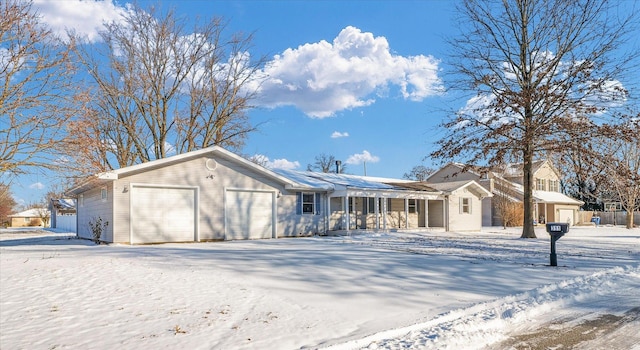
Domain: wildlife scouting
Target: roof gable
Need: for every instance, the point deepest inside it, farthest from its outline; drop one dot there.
(177, 159)
(453, 186)
(450, 172)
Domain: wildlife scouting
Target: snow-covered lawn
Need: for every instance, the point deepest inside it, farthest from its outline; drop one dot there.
(370, 290)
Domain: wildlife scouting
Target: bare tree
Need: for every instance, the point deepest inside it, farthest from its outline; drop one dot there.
(623, 170)
(327, 164)
(583, 174)
(35, 79)
(419, 173)
(7, 204)
(44, 215)
(161, 87)
(539, 74)
(506, 204)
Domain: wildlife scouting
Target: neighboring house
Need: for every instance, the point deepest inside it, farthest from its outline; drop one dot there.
(214, 194)
(63, 214)
(550, 205)
(31, 218)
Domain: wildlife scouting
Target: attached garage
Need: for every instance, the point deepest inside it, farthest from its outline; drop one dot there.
(249, 214)
(163, 214)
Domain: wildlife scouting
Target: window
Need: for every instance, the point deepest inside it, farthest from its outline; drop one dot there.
(308, 202)
(103, 194)
(388, 205)
(371, 205)
(540, 185)
(465, 205)
(553, 186)
(413, 205)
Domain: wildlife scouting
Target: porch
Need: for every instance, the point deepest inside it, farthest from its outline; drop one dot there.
(385, 213)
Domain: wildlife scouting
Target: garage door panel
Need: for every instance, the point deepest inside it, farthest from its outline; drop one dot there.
(249, 215)
(566, 215)
(163, 214)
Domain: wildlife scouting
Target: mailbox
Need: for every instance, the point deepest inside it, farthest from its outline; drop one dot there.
(556, 230)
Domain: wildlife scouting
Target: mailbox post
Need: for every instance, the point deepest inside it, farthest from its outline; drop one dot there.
(556, 230)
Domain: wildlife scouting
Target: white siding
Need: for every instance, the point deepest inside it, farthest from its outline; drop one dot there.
(459, 221)
(92, 208)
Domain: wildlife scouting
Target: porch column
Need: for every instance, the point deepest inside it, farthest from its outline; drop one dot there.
(346, 212)
(426, 213)
(546, 219)
(406, 213)
(445, 213)
(384, 213)
(327, 215)
(377, 210)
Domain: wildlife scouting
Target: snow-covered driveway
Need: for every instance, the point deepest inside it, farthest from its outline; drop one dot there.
(393, 290)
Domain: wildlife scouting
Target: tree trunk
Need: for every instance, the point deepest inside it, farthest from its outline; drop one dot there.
(527, 176)
(630, 219)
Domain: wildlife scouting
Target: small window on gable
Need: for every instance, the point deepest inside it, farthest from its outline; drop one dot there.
(103, 194)
(465, 205)
(540, 185)
(553, 186)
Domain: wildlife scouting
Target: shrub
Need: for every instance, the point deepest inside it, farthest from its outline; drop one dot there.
(97, 227)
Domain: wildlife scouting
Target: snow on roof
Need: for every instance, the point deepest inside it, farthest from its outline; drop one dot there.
(547, 196)
(30, 213)
(328, 181)
(356, 180)
(304, 179)
(555, 197)
(64, 203)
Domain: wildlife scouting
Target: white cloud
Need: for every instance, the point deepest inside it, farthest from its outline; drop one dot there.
(323, 78)
(283, 164)
(338, 134)
(276, 163)
(85, 18)
(360, 158)
(37, 186)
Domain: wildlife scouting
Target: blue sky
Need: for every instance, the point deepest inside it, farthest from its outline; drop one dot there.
(363, 81)
(383, 108)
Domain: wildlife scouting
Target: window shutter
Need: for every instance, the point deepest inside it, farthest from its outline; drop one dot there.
(299, 203)
(317, 206)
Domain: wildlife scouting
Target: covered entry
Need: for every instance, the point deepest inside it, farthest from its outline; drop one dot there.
(249, 214)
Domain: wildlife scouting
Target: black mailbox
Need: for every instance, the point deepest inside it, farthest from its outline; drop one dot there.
(557, 227)
(556, 230)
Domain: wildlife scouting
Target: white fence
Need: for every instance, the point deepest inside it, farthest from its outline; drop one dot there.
(66, 222)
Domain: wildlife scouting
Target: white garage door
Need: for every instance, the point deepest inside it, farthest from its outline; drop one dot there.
(160, 214)
(249, 214)
(566, 215)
